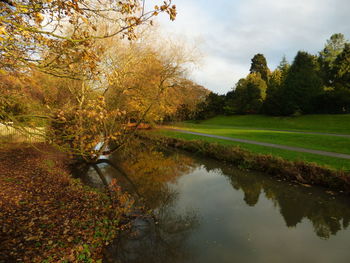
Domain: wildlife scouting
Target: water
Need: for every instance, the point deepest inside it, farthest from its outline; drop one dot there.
(208, 212)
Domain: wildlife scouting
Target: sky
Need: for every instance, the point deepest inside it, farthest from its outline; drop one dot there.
(228, 33)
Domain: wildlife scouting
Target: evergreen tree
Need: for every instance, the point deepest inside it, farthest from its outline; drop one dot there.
(259, 65)
(284, 65)
(302, 86)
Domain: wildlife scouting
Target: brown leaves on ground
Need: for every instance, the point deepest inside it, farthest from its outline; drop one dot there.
(45, 215)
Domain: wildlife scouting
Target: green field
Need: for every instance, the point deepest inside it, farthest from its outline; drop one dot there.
(309, 123)
(309, 141)
(335, 163)
(279, 130)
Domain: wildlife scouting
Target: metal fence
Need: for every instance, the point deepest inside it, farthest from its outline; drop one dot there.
(10, 134)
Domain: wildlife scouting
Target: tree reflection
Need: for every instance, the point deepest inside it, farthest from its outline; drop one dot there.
(158, 236)
(328, 214)
(151, 171)
(150, 241)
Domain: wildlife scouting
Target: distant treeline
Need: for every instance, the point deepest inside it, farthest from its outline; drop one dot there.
(311, 84)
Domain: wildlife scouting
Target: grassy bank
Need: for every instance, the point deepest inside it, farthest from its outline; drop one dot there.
(302, 172)
(330, 162)
(309, 141)
(287, 132)
(47, 216)
(314, 123)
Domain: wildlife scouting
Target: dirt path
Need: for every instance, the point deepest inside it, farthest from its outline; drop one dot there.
(279, 146)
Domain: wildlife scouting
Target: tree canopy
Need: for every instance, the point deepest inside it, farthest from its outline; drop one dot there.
(259, 65)
(58, 36)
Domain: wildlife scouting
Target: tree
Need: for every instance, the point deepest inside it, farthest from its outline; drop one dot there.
(336, 99)
(65, 39)
(302, 85)
(56, 36)
(211, 106)
(185, 96)
(328, 55)
(341, 68)
(284, 65)
(13, 98)
(139, 82)
(259, 65)
(250, 94)
(333, 48)
(273, 102)
(147, 77)
(229, 107)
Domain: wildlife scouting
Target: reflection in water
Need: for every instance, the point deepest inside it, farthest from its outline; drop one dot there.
(160, 238)
(327, 214)
(150, 171)
(147, 241)
(190, 195)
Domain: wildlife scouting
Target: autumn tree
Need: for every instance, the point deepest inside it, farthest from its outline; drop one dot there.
(64, 39)
(13, 99)
(56, 36)
(186, 95)
(149, 77)
(141, 81)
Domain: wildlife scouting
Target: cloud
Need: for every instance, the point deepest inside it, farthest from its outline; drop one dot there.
(231, 32)
(219, 72)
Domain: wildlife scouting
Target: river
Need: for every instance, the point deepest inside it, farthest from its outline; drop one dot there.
(208, 211)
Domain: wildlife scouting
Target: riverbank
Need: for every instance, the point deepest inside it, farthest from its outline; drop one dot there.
(331, 162)
(323, 139)
(46, 215)
(297, 171)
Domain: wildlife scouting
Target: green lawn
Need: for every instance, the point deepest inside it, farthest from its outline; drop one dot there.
(315, 123)
(309, 141)
(335, 163)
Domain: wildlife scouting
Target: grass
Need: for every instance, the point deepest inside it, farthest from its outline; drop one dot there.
(327, 123)
(309, 141)
(280, 130)
(334, 163)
